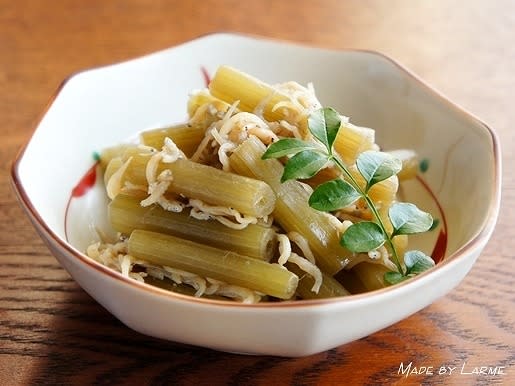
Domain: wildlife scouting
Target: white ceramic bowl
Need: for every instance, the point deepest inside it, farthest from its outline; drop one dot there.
(104, 106)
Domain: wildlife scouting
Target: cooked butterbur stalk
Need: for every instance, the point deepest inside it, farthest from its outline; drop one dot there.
(352, 140)
(115, 179)
(410, 162)
(114, 174)
(112, 152)
(292, 210)
(111, 168)
(294, 215)
(117, 156)
(213, 186)
(126, 214)
(330, 287)
(231, 85)
(370, 275)
(210, 262)
(246, 160)
(138, 150)
(327, 174)
(254, 95)
(383, 193)
(185, 136)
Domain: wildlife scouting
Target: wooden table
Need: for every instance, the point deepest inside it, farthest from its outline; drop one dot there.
(52, 332)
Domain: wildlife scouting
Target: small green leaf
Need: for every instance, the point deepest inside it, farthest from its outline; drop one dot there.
(363, 236)
(302, 165)
(407, 219)
(324, 125)
(392, 277)
(333, 195)
(417, 262)
(286, 146)
(424, 165)
(377, 166)
(435, 224)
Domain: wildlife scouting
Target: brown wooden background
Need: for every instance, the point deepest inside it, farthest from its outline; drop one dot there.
(51, 332)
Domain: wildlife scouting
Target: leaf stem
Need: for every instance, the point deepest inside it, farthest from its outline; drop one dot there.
(332, 157)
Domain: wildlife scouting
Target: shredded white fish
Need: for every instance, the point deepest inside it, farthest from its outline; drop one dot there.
(207, 141)
(265, 221)
(157, 190)
(158, 184)
(232, 130)
(219, 138)
(129, 186)
(293, 129)
(341, 226)
(170, 152)
(201, 149)
(286, 255)
(260, 107)
(201, 111)
(303, 98)
(309, 268)
(376, 256)
(125, 265)
(301, 102)
(289, 105)
(238, 128)
(223, 150)
(385, 258)
(193, 280)
(284, 249)
(152, 166)
(242, 294)
(302, 243)
(115, 256)
(178, 276)
(202, 211)
(225, 146)
(114, 185)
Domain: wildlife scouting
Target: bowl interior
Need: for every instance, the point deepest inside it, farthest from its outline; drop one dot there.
(106, 106)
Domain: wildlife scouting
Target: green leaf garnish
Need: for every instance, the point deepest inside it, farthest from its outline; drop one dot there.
(424, 165)
(363, 236)
(304, 164)
(392, 277)
(324, 125)
(435, 224)
(333, 195)
(417, 262)
(286, 146)
(376, 166)
(407, 219)
(308, 158)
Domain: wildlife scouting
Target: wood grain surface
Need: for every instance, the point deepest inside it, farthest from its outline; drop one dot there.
(52, 332)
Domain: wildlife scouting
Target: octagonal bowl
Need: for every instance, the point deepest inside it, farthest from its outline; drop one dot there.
(56, 181)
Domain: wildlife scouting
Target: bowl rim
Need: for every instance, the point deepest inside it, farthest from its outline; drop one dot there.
(480, 238)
